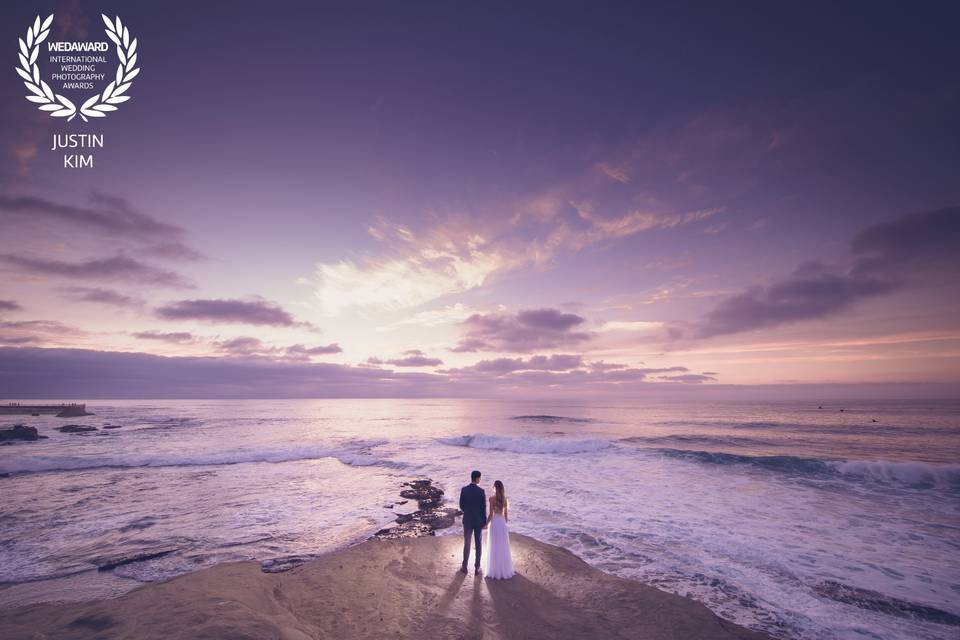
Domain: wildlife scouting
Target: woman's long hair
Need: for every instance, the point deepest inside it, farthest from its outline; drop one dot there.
(500, 496)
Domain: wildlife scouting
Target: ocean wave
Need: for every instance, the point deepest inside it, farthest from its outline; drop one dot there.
(528, 445)
(914, 473)
(551, 419)
(353, 454)
(726, 441)
(917, 474)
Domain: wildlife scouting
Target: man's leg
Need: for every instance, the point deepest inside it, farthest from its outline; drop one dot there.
(477, 537)
(467, 530)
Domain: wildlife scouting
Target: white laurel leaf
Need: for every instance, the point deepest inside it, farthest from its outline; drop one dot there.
(96, 106)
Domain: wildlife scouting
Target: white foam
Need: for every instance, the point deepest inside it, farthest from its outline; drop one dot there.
(528, 445)
(353, 453)
(916, 473)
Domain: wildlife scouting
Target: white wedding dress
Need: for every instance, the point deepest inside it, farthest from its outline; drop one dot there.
(497, 561)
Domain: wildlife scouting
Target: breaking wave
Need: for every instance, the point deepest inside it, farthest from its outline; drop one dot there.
(352, 453)
(918, 474)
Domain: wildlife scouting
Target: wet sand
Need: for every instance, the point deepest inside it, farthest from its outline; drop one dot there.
(407, 588)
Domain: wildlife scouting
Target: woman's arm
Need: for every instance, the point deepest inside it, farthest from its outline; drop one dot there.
(489, 512)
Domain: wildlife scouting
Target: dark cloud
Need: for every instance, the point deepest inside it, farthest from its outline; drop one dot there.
(409, 361)
(804, 295)
(925, 242)
(105, 214)
(600, 365)
(30, 372)
(298, 351)
(79, 373)
(912, 249)
(101, 296)
(525, 331)
(534, 363)
(690, 378)
(115, 268)
(254, 312)
(9, 305)
(244, 345)
(175, 336)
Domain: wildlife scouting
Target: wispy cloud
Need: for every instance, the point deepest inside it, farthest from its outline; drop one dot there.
(253, 312)
(116, 268)
(101, 296)
(173, 336)
(104, 214)
(9, 305)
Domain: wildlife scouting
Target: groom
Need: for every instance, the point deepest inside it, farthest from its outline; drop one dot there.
(473, 503)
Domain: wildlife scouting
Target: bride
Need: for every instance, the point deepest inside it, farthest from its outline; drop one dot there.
(499, 563)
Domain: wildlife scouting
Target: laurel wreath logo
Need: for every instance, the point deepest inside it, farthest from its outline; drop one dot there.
(98, 105)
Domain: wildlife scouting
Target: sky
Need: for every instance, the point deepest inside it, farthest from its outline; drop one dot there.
(311, 199)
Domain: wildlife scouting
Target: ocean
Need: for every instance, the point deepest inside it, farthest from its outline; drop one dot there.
(805, 521)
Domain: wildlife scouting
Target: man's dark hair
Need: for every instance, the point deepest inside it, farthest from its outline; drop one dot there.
(474, 476)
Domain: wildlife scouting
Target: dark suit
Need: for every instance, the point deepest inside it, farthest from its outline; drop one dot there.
(473, 503)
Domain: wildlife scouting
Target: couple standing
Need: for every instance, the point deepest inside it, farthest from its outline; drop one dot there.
(473, 504)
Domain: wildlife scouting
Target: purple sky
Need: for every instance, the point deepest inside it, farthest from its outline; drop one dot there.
(310, 199)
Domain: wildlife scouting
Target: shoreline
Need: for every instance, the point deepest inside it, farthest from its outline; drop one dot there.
(395, 588)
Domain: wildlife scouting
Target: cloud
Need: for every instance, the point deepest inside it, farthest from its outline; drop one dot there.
(524, 331)
(810, 292)
(116, 268)
(9, 305)
(298, 351)
(243, 345)
(36, 332)
(105, 214)
(254, 312)
(882, 259)
(534, 363)
(689, 378)
(101, 296)
(175, 336)
(416, 360)
(29, 372)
